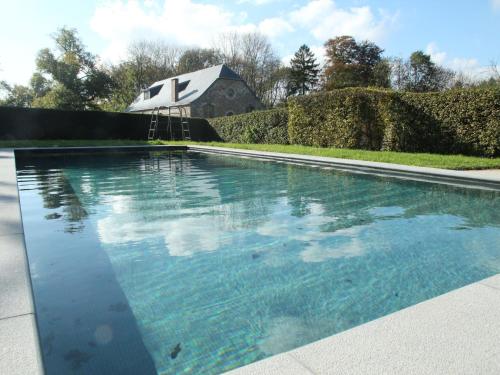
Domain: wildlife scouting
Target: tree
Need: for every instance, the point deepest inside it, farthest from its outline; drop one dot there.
(152, 61)
(74, 80)
(146, 62)
(253, 58)
(197, 58)
(420, 74)
(16, 96)
(349, 64)
(303, 71)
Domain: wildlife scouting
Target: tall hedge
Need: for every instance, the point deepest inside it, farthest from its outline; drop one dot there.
(38, 123)
(457, 121)
(256, 127)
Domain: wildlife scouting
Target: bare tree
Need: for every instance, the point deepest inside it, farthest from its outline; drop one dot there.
(153, 60)
(253, 58)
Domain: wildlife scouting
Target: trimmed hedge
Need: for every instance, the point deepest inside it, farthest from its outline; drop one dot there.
(256, 127)
(463, 121)
(37, 123)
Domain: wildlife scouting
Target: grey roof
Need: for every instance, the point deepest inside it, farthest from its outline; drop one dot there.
(197, 83)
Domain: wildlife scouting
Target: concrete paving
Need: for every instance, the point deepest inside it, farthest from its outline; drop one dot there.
(494, 173)
(19, 343)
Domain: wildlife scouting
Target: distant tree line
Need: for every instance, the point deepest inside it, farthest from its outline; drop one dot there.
(70, 77)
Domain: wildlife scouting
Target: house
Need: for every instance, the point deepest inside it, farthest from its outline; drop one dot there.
(210, 92)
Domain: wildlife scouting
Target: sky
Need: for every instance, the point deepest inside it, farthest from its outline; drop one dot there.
(460, 34)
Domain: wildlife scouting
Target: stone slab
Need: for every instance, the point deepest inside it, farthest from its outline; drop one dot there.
(494, 173)
(15, 294)
(19, 342)
(19, 352)
(10, 217)
(277, 365)
(493, 282)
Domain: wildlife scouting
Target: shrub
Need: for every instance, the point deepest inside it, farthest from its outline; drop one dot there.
(255, 127)
(457, 121)
(340, 118)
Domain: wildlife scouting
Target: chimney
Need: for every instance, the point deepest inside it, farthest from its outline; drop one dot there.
(174, 93)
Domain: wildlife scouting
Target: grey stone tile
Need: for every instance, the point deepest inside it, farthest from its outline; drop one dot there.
(10, 218)
(281, 364)
(456, 333)
(493, 282)
(19, 350)
(15, 291)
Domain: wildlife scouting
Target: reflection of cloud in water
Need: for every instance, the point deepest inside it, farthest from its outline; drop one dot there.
(319, 246)
(187, 236)
(304, 228)
(119, 203)
(186, 231)
(183, 236)
(318, 253)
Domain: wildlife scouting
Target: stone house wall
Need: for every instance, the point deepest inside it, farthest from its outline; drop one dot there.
(224, 98)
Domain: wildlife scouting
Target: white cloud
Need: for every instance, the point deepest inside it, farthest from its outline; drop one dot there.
(180, 22)
(325, 20)
(189, 22)
(469, 66)
(495, 4)
(256, 2)
(274, 27)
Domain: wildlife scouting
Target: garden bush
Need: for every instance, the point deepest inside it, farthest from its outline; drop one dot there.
(256, 127)
(457, 121)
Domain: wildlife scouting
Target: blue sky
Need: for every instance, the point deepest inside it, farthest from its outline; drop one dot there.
(460, 34)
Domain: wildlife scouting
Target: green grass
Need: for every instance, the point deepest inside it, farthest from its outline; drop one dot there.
(416, 159)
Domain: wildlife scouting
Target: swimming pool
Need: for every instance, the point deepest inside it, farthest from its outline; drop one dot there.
(182, 262)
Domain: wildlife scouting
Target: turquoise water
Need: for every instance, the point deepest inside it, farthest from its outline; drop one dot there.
(180, 263)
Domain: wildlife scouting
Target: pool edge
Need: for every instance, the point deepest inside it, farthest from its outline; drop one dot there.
(303, 360)
(20, 350)
(428, 174)
(453, 333)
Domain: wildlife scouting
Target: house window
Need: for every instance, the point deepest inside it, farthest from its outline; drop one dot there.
(229, 113)
(182, 86)
(230, 93)
(152, 92)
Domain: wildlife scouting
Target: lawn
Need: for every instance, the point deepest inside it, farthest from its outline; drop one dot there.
(416, 159)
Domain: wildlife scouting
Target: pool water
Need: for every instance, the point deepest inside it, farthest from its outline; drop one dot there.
(182, 262)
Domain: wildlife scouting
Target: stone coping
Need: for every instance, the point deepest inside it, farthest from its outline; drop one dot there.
(19, 341)
(454, 333)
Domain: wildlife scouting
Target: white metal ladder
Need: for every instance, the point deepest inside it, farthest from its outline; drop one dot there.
(153, 132)
(153, 125)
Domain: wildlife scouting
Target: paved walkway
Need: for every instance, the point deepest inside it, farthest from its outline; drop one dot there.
(491, 173)
(19, 349)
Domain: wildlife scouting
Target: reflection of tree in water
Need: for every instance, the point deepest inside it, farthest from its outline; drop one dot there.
(57, 192)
